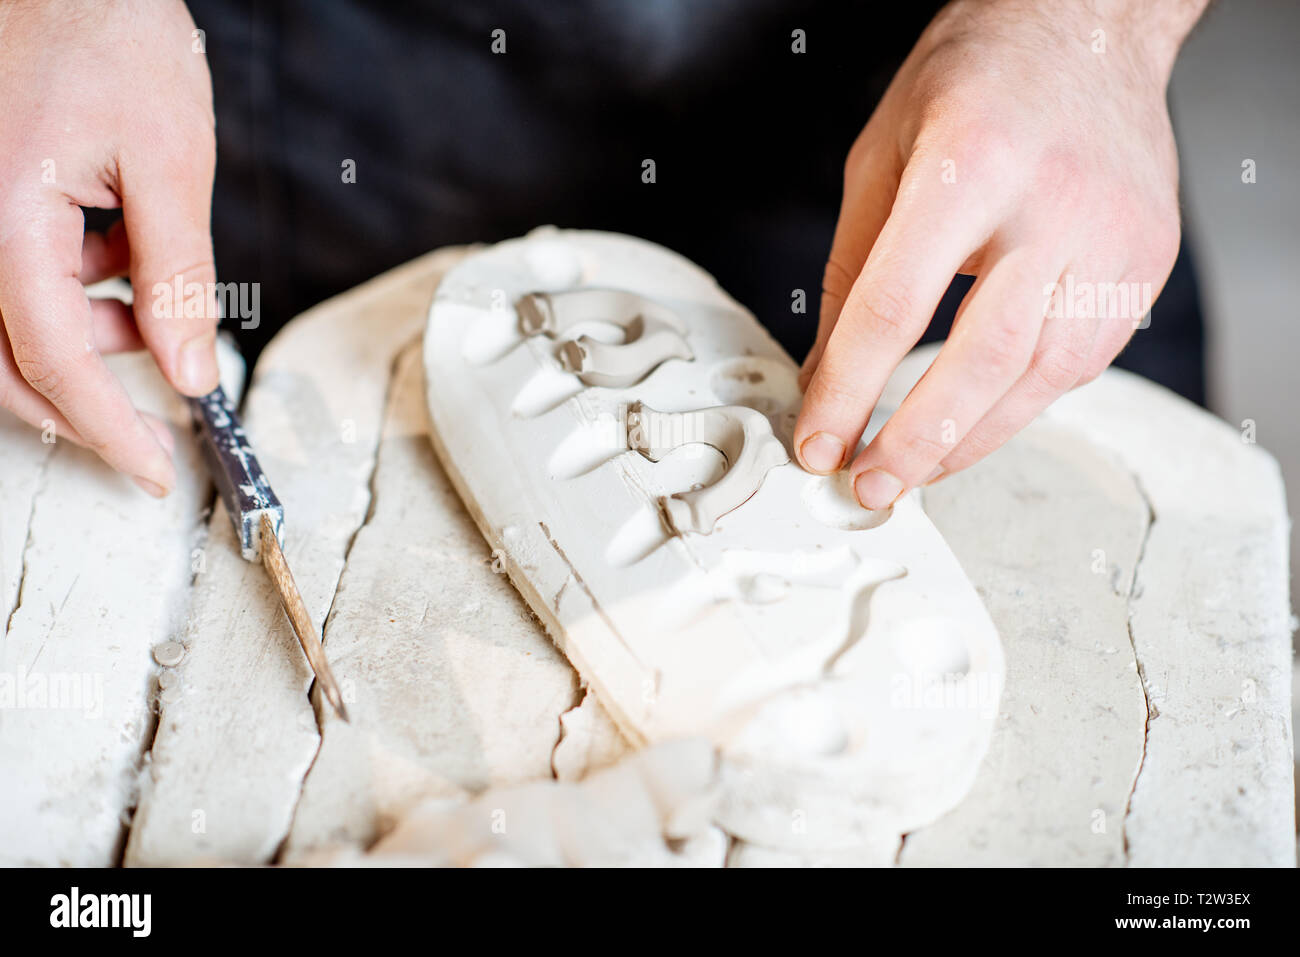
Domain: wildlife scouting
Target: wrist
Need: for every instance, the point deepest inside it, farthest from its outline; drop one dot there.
(1149, 32)
(1159, 27)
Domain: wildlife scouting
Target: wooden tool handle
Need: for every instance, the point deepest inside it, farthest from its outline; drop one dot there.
(299, 617)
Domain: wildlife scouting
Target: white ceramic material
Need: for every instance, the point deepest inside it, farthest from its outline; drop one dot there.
(699, 580)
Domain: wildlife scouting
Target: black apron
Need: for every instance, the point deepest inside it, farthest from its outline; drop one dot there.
(450, 142)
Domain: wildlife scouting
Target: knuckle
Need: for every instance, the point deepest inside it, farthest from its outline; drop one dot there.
(1075, 347)
(1004, 351)
(1095, 366)
(835, 390)
(185, 152)
(922, 446)
(42, 372)
(992, 152)
(886, 313)
(1153, 230)
(1060, 168)
(983, 154)
(101, 444)
(193, 127)
(197, 267)
(975, 446)
(1111, 339)
(1062, 175)
(1090, 374)
(164, 272)
(1055, 370)
(914, 446)
(196, 167)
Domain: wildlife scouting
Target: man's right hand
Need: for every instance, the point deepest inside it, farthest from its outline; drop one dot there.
(104, 105)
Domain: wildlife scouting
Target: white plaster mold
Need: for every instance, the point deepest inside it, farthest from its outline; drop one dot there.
(647, 507)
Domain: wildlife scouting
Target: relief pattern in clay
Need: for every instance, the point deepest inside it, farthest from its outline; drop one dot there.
(619, 428)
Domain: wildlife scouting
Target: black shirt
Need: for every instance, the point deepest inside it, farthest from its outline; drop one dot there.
(451, 142)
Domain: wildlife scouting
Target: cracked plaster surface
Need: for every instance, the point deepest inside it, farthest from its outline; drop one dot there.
(1187, 737)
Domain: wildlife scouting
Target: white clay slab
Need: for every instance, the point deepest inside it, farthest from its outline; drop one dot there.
(620, 429)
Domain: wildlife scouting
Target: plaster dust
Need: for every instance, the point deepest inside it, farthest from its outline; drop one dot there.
(786, 638)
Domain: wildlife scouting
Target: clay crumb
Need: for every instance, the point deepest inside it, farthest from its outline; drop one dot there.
(169, 654)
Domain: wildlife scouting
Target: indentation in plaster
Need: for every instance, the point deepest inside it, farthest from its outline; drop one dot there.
(606, 337)
(743, 436)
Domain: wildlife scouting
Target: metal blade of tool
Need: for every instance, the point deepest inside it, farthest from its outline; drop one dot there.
(258, 517)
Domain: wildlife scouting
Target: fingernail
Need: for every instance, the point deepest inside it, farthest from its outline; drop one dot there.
(938, 473)
(153, 488)
(198, 365)
(822, 452)
(877, 489)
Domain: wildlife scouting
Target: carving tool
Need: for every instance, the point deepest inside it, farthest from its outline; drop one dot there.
(258, 518)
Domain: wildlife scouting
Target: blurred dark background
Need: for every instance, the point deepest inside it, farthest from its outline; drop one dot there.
(454, 144)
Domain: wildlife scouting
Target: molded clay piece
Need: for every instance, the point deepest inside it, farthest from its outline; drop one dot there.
(650, 334)
(647, 507)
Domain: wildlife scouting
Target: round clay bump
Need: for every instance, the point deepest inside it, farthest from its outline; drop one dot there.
(932, 646)
(169, 654)
(831, 501)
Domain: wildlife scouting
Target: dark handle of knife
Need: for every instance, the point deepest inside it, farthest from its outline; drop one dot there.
(240, 482)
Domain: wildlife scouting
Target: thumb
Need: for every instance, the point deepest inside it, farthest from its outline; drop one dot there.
(166, 205)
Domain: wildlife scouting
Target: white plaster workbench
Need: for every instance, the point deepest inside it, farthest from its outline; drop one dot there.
(1130, 548)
